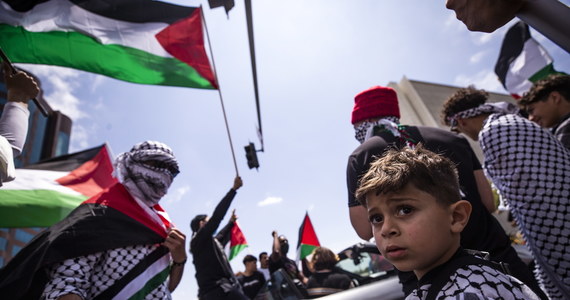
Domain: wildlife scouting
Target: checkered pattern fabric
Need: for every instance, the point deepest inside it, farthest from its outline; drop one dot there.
(477, 282)
(531, 169)
(487, 108)
(88, 276)
(364, 131)
(147, 171)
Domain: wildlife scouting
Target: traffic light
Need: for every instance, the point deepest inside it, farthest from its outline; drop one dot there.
(251, 155)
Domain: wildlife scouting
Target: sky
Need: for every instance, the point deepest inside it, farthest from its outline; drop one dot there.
(313, 57)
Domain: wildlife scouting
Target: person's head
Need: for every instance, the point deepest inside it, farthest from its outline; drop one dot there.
(464, 99)
(147, 171)
(283, 245)
(484, 15)
(250, 263)
(548, 101)
(323, 259)
(263, 260)
(198, 222)
(372, 104)
(414, 206)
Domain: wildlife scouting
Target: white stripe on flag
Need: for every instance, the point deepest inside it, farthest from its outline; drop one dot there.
(531, 60)
(139, 282)
(62, 15)
(38, 180)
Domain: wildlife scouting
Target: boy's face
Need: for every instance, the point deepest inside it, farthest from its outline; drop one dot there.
(544, 112)
(412, 230)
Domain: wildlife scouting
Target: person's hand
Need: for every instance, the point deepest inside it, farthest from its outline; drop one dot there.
(21, 87)
(176, 243)
(274, 233)
(234, 217)
(237, 183)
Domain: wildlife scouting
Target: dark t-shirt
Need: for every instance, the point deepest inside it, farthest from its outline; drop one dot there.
(252, 284)
(483, 232)
(286, 264)
(326, 283)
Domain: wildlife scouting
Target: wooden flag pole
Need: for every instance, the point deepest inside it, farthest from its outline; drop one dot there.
(219, 90)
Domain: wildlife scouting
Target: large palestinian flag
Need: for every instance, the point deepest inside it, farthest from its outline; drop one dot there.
(522, 61)
(44, 193)
(109, 220)
(141, 41)
(308, 240)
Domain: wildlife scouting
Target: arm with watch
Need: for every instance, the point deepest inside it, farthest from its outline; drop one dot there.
(176, 243)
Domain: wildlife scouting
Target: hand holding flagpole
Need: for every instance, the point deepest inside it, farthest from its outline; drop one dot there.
(13, 70)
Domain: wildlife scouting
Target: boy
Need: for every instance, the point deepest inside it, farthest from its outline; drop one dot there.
(416, 213)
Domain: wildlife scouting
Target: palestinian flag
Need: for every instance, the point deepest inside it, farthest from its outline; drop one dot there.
(522, 61)
(308, 240)
(44, 193)
(140, 41)
(109, 220)
(237, 241)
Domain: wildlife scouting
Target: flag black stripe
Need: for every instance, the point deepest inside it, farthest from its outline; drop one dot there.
(67, 162)
(135, 11)
(512, 47)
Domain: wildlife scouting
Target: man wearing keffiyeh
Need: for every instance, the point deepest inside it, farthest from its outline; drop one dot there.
(118, 244)
(530, 168)
(375, 118)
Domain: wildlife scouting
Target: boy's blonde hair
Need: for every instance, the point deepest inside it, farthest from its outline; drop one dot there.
(425, 170)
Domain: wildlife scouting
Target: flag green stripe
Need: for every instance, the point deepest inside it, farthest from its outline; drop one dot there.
(75, 50)
(235, 250)
(35, 208)
(306, 250)
(151, 285)
(544, 72)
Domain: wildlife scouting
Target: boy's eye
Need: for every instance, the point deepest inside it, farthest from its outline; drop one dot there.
(405, 210)
(375, 219)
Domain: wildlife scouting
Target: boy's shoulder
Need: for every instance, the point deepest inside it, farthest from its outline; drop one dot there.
(474, 279)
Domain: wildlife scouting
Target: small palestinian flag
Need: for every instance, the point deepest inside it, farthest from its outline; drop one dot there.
(308, 240)
(237, 241)
(522, 61)
(42, 194)
(140, 41)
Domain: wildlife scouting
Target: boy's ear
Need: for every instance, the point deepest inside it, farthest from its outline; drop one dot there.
(460, 212)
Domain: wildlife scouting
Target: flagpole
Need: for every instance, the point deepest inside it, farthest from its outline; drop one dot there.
(219, 89)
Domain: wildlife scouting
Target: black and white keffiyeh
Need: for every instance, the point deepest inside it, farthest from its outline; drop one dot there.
(365, 130)
(487, 108)
(531, 169)
(147, 171)
(478, 282)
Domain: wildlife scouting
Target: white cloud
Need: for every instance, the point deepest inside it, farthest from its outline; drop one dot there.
(485, 79)
(59, 86)
(270, 201)
(177, 194)
(477, 57)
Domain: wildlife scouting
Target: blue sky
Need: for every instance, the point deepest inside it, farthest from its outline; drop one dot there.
(313, 57)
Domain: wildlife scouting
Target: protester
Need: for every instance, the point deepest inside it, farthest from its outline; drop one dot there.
(530, 168)
(548, 104)
(413, 201)
(214, 275)
(264, 265)
(376, 121)
(112, 245)
(251, 279)
(325, 278)
(14, 120)
(279, 260)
